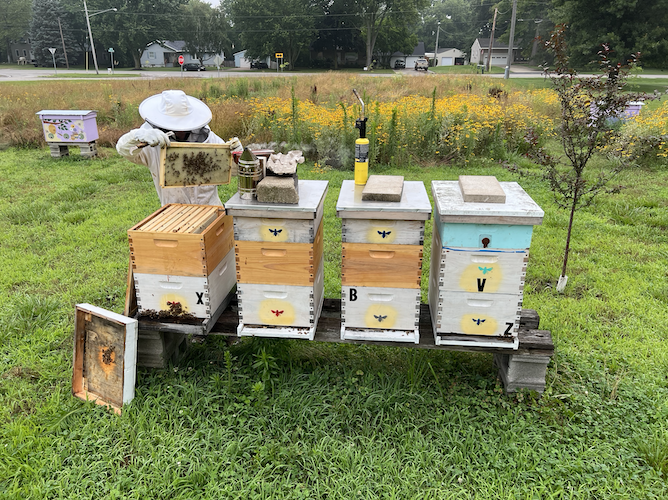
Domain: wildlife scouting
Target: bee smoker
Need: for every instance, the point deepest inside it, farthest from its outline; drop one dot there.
(250, 175)
(361, 148)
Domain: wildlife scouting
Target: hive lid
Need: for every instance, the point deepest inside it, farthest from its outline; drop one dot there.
(414, 204)
(519, 208)
(65, 112)
(105, 356)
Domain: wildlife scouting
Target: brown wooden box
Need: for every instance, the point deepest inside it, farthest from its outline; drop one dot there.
(394, 266)
(185, 164)
(168, 241)
(105, 356)
(264, 262)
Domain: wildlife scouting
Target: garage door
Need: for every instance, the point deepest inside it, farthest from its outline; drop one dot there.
(446, 61)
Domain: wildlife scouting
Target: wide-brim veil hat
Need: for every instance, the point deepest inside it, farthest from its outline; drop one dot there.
(174, 110)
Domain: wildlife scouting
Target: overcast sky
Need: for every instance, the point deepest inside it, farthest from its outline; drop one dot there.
(213, 3)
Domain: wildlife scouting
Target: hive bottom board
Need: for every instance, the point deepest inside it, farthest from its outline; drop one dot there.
(286, 311)
(380, 313)
(197, 296)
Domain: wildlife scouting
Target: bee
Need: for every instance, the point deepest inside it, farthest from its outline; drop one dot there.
(478, 321)
(275, 231)
(380, 318)
(277, 312)
(384, 233)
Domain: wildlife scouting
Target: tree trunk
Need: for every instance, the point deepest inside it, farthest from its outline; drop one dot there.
(137, 58)
(570, 225)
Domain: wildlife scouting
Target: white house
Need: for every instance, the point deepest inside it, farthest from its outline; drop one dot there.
(165, 54)
(449, 57)
(241, 61)
(480, 52)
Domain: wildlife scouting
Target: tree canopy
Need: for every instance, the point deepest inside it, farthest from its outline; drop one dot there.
(45, 32)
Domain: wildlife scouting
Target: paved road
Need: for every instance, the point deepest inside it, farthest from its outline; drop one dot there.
(36, 74)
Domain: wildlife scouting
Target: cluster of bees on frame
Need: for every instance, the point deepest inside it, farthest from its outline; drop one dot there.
(175, 312)
(190, 169)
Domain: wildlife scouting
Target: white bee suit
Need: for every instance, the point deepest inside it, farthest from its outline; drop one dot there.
(150, 157)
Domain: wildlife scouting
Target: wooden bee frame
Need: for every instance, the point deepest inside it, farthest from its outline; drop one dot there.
(188, 164)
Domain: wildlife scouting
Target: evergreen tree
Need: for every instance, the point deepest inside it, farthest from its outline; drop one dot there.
(45, 33)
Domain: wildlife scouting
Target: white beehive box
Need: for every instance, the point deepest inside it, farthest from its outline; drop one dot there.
(382, 263)
(279, 261)
(480, 250)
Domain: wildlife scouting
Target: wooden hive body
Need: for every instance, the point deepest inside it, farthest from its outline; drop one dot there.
(183, 240)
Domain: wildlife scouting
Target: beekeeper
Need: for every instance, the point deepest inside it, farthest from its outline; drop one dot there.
(172, 116)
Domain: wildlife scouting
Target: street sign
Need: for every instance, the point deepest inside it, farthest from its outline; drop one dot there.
(218, 60)
(111, 50)
(181, 60)
(279, 55)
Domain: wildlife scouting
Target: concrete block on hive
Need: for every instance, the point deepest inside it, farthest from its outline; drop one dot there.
(481, 189)
(274, 189)
(383, 188)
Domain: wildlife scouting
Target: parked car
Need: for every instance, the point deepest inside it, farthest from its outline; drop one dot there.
(399, 64)
(421, 63)
(194, 66)
(259, 65)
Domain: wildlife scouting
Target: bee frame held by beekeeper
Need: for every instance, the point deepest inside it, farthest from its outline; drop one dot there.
(172, 116)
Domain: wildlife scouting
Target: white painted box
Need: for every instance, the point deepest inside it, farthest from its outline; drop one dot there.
(288, 311)
(468, 270)
(493, 314)
(380, 307)
(199, 296)
(383, 231)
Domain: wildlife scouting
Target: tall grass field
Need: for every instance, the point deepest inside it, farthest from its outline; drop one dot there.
(268, 418)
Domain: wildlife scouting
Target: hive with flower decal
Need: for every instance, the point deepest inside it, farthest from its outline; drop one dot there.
(69, 127)
(479, 255)
(279, 263)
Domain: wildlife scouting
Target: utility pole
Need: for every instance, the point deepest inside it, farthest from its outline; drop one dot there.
(63, 40)
(491, 42)
(438, 30)
(506, 74)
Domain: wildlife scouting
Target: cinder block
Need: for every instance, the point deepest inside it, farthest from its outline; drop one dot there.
(522, 371)
(277, 190)
(383, 188)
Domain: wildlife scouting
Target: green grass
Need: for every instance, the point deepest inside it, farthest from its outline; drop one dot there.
(288, 419)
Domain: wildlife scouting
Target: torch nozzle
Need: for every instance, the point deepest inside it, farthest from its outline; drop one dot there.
(360, 99)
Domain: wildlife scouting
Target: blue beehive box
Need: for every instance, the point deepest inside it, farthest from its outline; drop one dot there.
(480, 250)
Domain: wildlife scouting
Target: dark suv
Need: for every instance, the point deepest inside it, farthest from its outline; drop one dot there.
(259, 65)
(194, 66)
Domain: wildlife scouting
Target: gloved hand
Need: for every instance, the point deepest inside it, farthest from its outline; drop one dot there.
(235, 144)
(151, 137)
(138, 138)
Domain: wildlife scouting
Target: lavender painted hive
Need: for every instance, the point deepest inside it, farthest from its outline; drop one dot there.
(69, 125)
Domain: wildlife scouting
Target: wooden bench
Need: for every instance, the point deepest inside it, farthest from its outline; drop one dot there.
(524, 368)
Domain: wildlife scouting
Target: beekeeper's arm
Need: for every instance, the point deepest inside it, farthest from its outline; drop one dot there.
(130, 145)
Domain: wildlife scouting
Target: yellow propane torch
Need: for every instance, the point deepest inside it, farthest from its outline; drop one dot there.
(361, 148)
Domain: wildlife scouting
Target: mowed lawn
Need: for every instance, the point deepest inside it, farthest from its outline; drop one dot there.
(293, 419)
